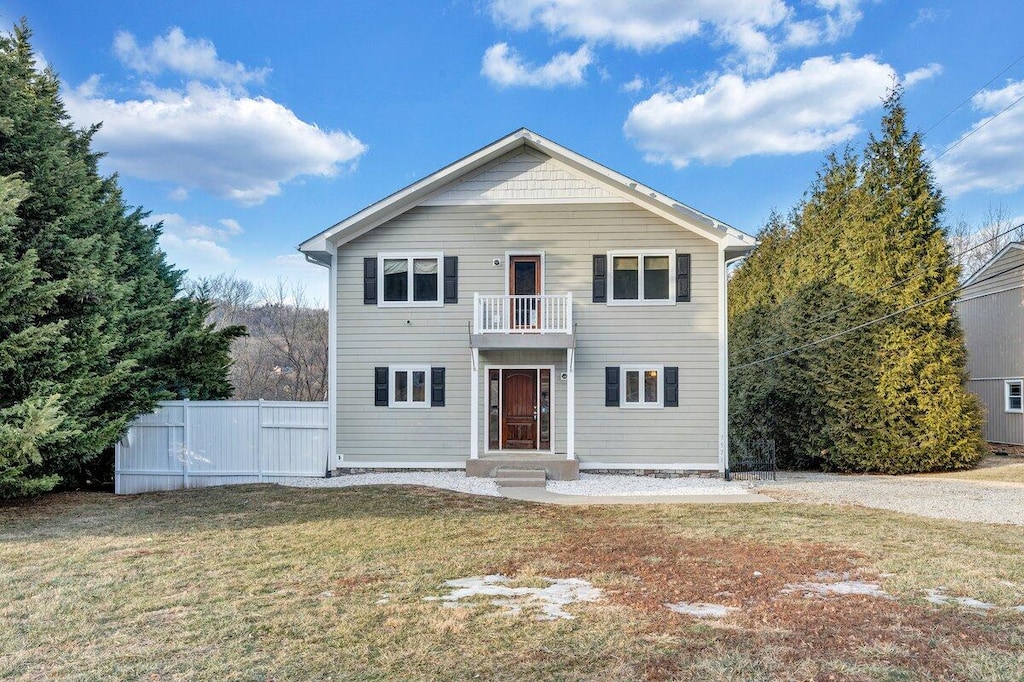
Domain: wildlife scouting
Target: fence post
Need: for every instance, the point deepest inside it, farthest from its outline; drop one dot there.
(259, 440)
(186, 444)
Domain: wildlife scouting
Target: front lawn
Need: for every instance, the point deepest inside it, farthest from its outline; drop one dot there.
(263, 582)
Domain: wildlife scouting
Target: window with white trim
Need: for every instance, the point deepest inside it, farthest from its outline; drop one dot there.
(642, 277)
(410, 279)
(642, 386)
(409, 386)
(1015, 395)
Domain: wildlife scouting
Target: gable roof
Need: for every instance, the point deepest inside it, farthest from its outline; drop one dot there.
(736, 242)
(992, 261)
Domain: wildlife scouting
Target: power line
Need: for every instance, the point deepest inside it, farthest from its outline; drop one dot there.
(919, 271)
(975, 94)
(869, 323)
(974, 130)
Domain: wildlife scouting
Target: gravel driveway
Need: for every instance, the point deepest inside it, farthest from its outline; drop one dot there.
(938, 498)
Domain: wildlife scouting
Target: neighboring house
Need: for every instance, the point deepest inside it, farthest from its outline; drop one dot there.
(528, 304)
(991, 310)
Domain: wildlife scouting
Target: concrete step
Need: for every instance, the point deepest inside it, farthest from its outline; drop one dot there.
(508, 477)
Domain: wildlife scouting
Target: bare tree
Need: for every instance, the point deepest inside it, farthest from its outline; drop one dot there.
(284, 357)
(974, 245)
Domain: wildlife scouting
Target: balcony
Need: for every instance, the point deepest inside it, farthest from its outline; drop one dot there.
(543, 321)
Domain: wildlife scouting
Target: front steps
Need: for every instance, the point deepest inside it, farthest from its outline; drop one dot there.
(508, 477)
(555, 468)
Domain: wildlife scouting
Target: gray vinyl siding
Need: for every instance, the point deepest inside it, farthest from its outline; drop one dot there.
(683, 335)
(992, 315)
(1000, 426)
(1007, 271)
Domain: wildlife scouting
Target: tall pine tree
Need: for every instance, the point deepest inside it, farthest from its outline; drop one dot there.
(101, 301)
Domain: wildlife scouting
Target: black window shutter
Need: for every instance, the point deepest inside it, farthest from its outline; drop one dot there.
(601, 280)
(437, 386)
(369, 280)
(611, 386)
(671, 387)
(451, 282)
(683, 277)
(380, 386)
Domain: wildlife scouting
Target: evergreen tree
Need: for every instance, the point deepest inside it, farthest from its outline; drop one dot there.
(100, 291)
(865, 243)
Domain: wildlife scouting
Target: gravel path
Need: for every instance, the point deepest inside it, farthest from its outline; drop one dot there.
(448, 480)
(589, 484)
(615, 485)
(937, 498)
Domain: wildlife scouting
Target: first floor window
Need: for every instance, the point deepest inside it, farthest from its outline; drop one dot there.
(410, 280)
(1015, 395)
(644, 277)
(410, 387)
(641, 387)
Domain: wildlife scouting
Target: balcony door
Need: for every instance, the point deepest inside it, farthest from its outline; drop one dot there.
(524, 280)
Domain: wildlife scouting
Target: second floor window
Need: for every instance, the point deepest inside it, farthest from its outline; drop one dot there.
(410, 279)
(642, 277)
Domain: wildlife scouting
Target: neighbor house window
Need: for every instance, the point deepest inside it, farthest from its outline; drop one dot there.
(1014, 395)
(410, 386)
(642, 387)
(643, 277)
(410, 280)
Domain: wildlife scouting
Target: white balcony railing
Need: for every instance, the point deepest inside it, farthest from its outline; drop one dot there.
(544, 314)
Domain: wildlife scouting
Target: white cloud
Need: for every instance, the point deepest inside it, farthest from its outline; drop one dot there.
(184, 228)
(754, 30)
(193, 58)
(990, 159)
(232, 146)
(635, 85)
(916, 76)
(805, 109)
(504, 67)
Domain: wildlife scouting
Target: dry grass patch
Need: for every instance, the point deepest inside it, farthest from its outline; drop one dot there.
(990, 470)
(261, 582)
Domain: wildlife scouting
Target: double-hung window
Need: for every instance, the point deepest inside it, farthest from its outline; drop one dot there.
(410, 386)
(410, 279)
(1015, 395)
(642, 387)
(642, 277)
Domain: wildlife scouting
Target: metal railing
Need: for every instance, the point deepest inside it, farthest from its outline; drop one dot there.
(542, 314)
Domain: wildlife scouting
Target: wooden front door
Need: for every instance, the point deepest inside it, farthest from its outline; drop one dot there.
(524, 279)
(519, 403)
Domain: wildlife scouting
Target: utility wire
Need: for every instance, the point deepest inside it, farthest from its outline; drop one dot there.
(976, 129)
(919, 271)
(869, 323)
(957, 107)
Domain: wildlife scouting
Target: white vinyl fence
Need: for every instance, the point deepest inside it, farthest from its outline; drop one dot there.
(193, 444)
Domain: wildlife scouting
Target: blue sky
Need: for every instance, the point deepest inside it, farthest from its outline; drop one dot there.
(250, 126)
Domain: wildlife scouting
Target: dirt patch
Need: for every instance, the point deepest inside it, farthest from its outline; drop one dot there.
(853, 625)
(651, 569)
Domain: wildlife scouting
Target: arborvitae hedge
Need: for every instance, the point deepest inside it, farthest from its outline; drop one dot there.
(866, 242)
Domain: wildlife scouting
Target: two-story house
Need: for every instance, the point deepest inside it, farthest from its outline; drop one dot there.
(526, 304)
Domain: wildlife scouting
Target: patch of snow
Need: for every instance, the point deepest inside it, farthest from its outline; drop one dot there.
(616, 484)
(551, 600)
(701, 609)
(447, 480)
(839, 584)
(940, 598)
